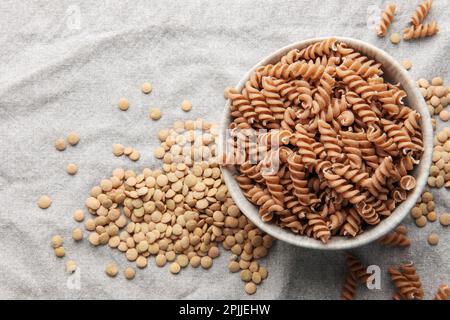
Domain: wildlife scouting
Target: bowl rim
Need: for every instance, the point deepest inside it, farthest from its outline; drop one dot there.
(416, 102)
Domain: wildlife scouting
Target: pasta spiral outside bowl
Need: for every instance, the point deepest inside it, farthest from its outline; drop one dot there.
(392, 72)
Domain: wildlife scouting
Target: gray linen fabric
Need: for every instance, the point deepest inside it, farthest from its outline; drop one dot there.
(64, 65)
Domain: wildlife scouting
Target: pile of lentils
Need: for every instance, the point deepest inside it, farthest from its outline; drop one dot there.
(181, 214)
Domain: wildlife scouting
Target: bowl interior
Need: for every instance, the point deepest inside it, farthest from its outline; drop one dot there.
(394, 73)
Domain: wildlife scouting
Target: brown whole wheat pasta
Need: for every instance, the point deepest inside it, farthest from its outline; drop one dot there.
(443, 292)
(349, 287)
(407, 282)
(395, 238)
(409, 271)
(357, 269)
(420, 31)
(421, 12)
(339, 141)
(386, 19)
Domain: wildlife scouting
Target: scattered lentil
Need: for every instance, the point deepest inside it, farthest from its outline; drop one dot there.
(141, 262)
(72, 168)
(146, 88)
(155, 114)
(186, 106)
(111, 269)
(118, 149)
(123, 104)
(78, 215)
(71, 266)
(59, 252)
(444, 219)
(250, 288)
(437, 81)
(433, 239)
(174, 268)
(444, 115)
(77, 234)
(135, 155)
(421, 222)
(407, 64)
(206, 262)
(129, 273)
(44, 202)
(416, 212)
(432, 216)
(246, 275)
(57, 241)
(73, 138)
(160, 260)
(60, 144)
(395, 38)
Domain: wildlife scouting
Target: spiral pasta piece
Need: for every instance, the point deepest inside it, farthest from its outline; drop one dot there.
(348, 53)
(273, 98)
(298, 175)
(443, 292)
(291, 57)
(323, 95)
(421, 12)
(304, 144)
(251, 171)
(409, 271)
(355, 266)
(377, 184)
(319, 227)
(361, 108)
(297, 92)
(407, 182)
(261, 107)
(385, 145)
(386, 19)
(329, 139)
(318, 49)
(334, 109)
(411, 122)
(368, 213)
(406, 290)
(363, 68)
(343, 187)
(243, 105)
(369, 155)
(360, 179)
(275, 188)
(306, 70)
(292, 204)
(349, 287)
(355, 83)
(263, 199)
(395, 239)
(420, 31)
(352, 225)
(337, 219)
(292, 223)
(399, 135)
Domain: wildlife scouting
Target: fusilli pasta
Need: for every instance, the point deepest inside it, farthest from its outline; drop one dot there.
(420, 31)
(395, 239)
(349, 288)
(347, 141)
(443, 293)
(386, 19)
(421, 12)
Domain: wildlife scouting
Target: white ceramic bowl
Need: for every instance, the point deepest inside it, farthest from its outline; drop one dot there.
(394, 73)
